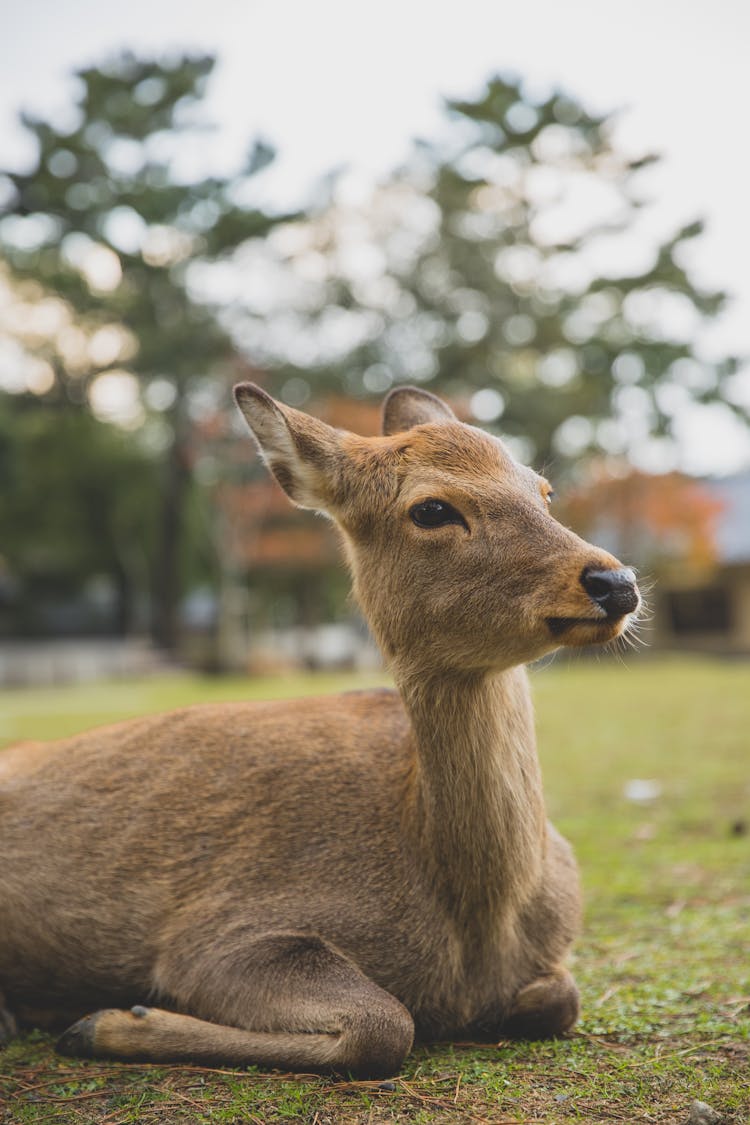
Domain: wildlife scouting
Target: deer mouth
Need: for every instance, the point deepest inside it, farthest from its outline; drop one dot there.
(558, 626)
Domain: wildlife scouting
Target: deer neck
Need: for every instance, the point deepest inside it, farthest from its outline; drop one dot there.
(477, 797)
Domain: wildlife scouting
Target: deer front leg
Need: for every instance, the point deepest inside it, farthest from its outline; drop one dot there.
(545, 1008)
(284, 1001)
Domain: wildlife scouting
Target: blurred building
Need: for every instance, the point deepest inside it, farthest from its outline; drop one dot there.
(706, 608)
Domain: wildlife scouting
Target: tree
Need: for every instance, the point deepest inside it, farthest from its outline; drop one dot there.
(77, 500)
(106, 223)
(507, 265)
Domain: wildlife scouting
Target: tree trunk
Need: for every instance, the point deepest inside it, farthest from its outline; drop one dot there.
(124, 603)
(167, 572)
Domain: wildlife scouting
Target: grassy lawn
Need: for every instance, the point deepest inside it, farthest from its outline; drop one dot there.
(663, 965)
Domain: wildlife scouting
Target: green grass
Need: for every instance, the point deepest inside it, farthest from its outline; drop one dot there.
(663, 965)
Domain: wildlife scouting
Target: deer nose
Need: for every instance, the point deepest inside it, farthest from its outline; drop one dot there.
(614, 590)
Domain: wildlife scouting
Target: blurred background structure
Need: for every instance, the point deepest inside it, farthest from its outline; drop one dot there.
(532, 256)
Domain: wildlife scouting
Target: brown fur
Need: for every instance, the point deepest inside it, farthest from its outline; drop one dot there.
(303, 885)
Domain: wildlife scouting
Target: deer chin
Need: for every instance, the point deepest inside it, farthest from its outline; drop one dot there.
(579, 631)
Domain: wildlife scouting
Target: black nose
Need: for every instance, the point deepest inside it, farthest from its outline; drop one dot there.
(614, 590)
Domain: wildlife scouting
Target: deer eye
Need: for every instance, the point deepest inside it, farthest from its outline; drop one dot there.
(435, 513)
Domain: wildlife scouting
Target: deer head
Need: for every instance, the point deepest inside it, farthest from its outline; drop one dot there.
(458, 563)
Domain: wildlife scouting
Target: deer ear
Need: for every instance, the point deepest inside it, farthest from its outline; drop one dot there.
(303, 453)
(405, 407)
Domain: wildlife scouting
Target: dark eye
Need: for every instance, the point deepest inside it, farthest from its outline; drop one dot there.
(549, 496)
(435, 513)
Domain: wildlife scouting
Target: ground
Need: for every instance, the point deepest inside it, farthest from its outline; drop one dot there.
(646, 771)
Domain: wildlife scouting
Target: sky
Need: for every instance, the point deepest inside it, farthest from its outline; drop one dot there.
(336, 82)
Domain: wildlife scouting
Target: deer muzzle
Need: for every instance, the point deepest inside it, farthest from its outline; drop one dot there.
(613, 596)
(614, 591)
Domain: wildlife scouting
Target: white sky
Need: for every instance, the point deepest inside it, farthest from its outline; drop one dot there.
(335, 82)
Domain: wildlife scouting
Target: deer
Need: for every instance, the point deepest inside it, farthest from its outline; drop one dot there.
(310, 885)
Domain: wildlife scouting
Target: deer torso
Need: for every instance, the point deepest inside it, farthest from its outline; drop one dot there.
(285, 817)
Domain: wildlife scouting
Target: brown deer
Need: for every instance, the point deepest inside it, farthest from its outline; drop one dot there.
(306, 885)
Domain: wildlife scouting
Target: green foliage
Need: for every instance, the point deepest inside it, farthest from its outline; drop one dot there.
(109, 182)
(106, 221)
(78, 499)
(506, 266)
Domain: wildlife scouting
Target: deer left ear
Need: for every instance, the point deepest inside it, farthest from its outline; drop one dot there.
(303, 453)
(406, 407)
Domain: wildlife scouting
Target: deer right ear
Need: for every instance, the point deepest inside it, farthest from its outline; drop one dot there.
(406, 407)
(302, 453)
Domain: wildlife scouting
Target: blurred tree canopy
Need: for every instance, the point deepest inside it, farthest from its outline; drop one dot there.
(508, 265)
(106, 222)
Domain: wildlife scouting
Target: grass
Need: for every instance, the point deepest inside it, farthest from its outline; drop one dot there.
(663, 965)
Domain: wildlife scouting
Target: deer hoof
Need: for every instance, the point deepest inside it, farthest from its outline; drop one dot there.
(78, 1040)
(545, 1008)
